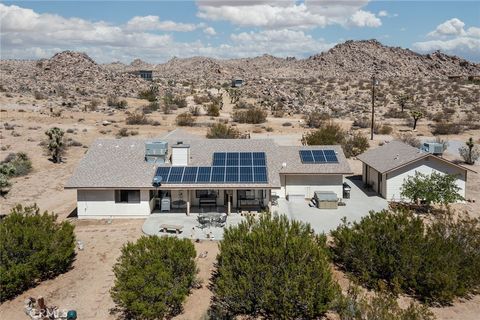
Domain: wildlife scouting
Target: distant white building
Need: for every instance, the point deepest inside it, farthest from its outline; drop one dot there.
(386, 168)
(133, 178)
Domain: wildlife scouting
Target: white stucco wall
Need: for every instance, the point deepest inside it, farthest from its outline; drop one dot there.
(428, 165)
(180, 156)
(308, 184)
(97, 204)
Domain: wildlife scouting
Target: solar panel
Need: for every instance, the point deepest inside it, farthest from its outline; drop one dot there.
(163, 172)
(219, 159)
(330, 155)
(176, 174)
(190, 175)
(231, 174)
(218, 174)
(246, 174)
(232, 159)
(306, 156)
(204, 174)
(245, 158)
(260, 174)
(318, 156)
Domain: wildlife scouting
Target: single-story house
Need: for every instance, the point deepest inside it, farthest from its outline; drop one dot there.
(178, 173)
(385, 168)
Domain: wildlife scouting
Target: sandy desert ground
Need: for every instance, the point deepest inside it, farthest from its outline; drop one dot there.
(85, 288)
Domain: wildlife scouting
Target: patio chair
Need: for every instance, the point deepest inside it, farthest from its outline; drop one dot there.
(204, 222)
(221, 221)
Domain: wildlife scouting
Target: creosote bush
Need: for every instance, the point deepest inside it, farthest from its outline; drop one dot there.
(435, 262)
(117, 103)
(355, 144)
(252, 115)
(272, 268)
(329, 134)
(185, 119)
(153, 276)
(137, 118)
(222, 131)
(33, 247)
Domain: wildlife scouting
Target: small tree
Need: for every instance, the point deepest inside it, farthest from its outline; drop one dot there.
(316, 119)
(33, 247)
(222, 131)
(56, 143)
(402, 101)
(153, 277)
(355, 144)
(416, 115)
(329, 134)
(185, 119)
(434, 188)
(272, 268)
(470, 152)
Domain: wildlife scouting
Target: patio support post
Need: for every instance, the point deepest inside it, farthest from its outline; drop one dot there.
(229, 205)
(188, 202)
(269, 195)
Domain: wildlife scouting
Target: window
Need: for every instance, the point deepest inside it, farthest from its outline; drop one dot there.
(127, 196)
(206, 194)
(250, 194)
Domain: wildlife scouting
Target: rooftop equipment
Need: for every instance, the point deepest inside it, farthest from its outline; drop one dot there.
(156, 151)
(433, 148)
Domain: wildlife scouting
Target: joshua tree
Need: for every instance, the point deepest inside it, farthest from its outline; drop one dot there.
(55, 144)
(416, 115)
(402, 101)
(470, 152)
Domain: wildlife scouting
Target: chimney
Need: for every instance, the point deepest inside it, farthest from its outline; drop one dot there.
(180, 154)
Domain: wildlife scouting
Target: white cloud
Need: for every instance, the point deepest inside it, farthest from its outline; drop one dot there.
(153, 23)
(451, 37)
(383, 13)
(210, 31)
(26, 34)
(365, 19)
(452, 27)
(288, 14)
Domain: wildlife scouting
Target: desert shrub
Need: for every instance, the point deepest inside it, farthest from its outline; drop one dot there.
(363, 122)
(93, 104)
(329, 134)
(115, 102)
(151, 107)
(213, 110)
(222, 131)
(153, 276)
(16, 164)
(39, 95)
(195, 110)
(252, 115)
(149, 94)
(395, 113)
(434, 188)
(436, 262)
(137, 118)
(272, 268)
(287, 124)
(470, 152)
(4, 184)
(383, 305)
(385, 129)
(33, 247)
(410, 139)
(355, 144)
(185, 119)
(316, 119)
(446, 128)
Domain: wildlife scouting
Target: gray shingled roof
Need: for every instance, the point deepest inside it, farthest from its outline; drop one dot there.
(120, 163)
(390, 156)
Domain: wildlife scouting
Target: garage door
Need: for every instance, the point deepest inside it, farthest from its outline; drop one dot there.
(296, 197)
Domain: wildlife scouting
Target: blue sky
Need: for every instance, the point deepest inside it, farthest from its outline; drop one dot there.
(159, 30)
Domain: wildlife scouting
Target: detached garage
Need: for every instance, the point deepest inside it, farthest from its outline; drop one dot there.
(386, 168)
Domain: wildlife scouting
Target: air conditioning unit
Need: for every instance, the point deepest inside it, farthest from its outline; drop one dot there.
(156, 151)
(433, 148)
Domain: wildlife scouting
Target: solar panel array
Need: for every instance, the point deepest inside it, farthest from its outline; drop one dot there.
(228, 167)
(318, 156)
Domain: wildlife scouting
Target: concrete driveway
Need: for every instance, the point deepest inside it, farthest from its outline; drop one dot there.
(361, 202)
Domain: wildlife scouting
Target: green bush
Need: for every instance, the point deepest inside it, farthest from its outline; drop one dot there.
(436, 262)
(137, 118)
(446, 128)
(222, 131)
(272, 268)
(316, 119)
(213, 110)
(150, 94)
(185, 119)
(115, 102)
(33, 247)
(252, 115)
(153, 276)
(16, 164)
(355, 144)
(329, 134)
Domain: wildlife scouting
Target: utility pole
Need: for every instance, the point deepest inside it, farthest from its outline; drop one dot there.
(374, 83)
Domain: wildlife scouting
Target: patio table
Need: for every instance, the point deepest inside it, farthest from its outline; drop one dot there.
(212, 217)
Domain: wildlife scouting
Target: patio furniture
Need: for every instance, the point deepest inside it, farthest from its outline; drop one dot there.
(212, 219)
(346, 190)
(326, 199)
(221, 220)
(171, 227)
(204, 221)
